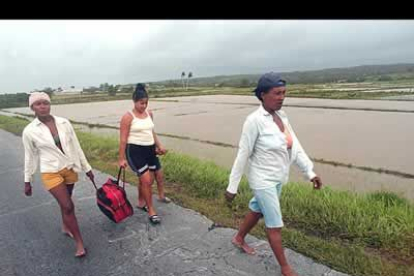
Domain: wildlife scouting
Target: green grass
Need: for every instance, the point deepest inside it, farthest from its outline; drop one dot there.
(376, 221)
(369, 234)
(13, 124)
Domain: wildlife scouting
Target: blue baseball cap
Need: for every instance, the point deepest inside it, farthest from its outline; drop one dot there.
(268, 81)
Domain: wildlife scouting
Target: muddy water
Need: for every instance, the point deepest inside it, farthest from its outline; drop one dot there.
(362, 138)
(375, 104)
(342, 178)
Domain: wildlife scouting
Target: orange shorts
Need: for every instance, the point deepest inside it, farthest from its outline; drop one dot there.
(65, 176)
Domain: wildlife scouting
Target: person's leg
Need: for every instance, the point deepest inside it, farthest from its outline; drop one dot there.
(70, 177)
(67, 208)
(146, 190)
(136, 161)
(160, 185)
(274, 236)
(268, 200)
(249, 222)
(159, 178)
(65, 230)
(155, 167)
(141, 199)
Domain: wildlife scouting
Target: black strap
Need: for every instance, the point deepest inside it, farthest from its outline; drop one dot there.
(94, 184)
(121, 169)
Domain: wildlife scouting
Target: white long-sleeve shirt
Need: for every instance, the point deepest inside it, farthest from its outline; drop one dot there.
(263, 147)
(39, 145)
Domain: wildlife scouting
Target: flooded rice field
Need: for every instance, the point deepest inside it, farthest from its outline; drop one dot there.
(336, 131)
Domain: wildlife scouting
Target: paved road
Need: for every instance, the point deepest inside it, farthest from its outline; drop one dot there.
(31, 243)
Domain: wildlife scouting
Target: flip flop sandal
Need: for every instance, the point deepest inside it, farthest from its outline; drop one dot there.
(143, 208)
(154, 219)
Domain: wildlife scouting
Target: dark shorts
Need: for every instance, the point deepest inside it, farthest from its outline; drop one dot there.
(142, 158)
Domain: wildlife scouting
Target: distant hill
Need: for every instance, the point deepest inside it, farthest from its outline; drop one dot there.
(348, 74)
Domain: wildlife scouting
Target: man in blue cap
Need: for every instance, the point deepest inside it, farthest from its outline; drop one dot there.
(268, 145)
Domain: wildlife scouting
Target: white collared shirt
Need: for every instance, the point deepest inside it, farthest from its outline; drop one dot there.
(263, 147)
(39, 145)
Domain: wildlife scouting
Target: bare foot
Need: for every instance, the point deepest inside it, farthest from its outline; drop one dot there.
(288, 271)
(80, 253)
(243, 246)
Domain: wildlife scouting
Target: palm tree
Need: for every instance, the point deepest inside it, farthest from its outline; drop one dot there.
(190, 75)
(182, 78)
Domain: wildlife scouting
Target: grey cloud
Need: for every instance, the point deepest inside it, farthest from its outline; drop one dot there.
(82, 53)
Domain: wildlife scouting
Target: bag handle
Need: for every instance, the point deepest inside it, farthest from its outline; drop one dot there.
(121, 169)
(117, 180)
(94, 184)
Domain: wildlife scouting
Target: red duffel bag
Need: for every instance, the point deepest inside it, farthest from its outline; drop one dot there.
(112, 199)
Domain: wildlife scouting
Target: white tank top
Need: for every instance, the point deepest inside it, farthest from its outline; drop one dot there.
(140, 132)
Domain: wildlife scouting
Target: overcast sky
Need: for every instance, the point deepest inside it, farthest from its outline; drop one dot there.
(38, 54)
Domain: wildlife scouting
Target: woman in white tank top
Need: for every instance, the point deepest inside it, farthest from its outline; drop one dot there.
(138, 148)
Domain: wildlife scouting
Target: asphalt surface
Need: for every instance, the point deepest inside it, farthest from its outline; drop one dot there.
(31, 243)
